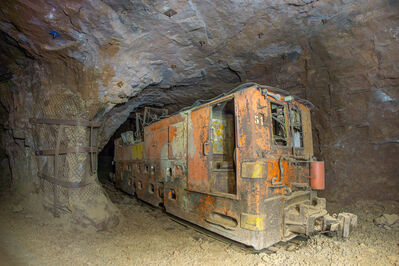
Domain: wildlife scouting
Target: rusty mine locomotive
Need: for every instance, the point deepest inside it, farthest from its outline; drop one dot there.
(240, 165)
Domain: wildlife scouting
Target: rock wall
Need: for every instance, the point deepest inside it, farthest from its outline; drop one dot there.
(114, 56)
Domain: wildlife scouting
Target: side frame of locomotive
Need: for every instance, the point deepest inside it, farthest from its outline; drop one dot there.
(272, 201)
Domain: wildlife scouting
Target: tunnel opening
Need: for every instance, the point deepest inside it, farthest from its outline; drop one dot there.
(106, 166)
(130, 132)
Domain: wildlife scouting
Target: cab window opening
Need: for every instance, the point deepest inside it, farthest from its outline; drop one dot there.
(296, 125)
(278, 124)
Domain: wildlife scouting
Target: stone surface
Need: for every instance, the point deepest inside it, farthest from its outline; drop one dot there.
(149, 236)
(113, 56)
(388, 221)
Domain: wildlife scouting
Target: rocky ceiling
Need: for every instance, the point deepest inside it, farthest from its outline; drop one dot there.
(100, 60)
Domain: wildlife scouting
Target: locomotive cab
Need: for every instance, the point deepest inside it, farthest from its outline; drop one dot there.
(240, 165)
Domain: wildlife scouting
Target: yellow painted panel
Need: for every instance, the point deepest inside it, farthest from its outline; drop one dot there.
(140, 151)
(134, 151)
(254, 170)
(223, 135)
(137, 152)
(253, 222)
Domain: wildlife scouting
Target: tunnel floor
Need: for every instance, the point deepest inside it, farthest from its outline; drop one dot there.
(149, 236)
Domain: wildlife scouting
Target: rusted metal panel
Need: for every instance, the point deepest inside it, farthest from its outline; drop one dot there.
(198, 150)
(245, 124)
(156, 144)
(307, 131)
(149, 183)
(262, 127)
(177, 141)
(224, 181)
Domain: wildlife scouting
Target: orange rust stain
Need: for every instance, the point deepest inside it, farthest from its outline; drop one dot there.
(206, 203)
(173, 133)
(287, 172)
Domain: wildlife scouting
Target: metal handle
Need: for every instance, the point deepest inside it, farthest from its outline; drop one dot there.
(206, 148)
(238, 131)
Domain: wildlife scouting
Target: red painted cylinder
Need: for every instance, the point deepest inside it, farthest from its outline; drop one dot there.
(317, 175)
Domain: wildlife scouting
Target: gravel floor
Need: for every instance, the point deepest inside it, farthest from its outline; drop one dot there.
(149, 236)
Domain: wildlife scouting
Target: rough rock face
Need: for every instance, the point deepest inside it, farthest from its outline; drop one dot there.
(99, 60)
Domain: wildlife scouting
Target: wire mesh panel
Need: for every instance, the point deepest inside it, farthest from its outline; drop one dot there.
(66, 151)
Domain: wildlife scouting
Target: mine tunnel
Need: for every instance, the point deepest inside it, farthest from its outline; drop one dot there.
(199, 132)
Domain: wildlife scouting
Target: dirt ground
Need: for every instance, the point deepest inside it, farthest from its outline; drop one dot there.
(151, 237)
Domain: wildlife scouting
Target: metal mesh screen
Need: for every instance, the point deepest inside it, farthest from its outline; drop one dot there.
(72, 167)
